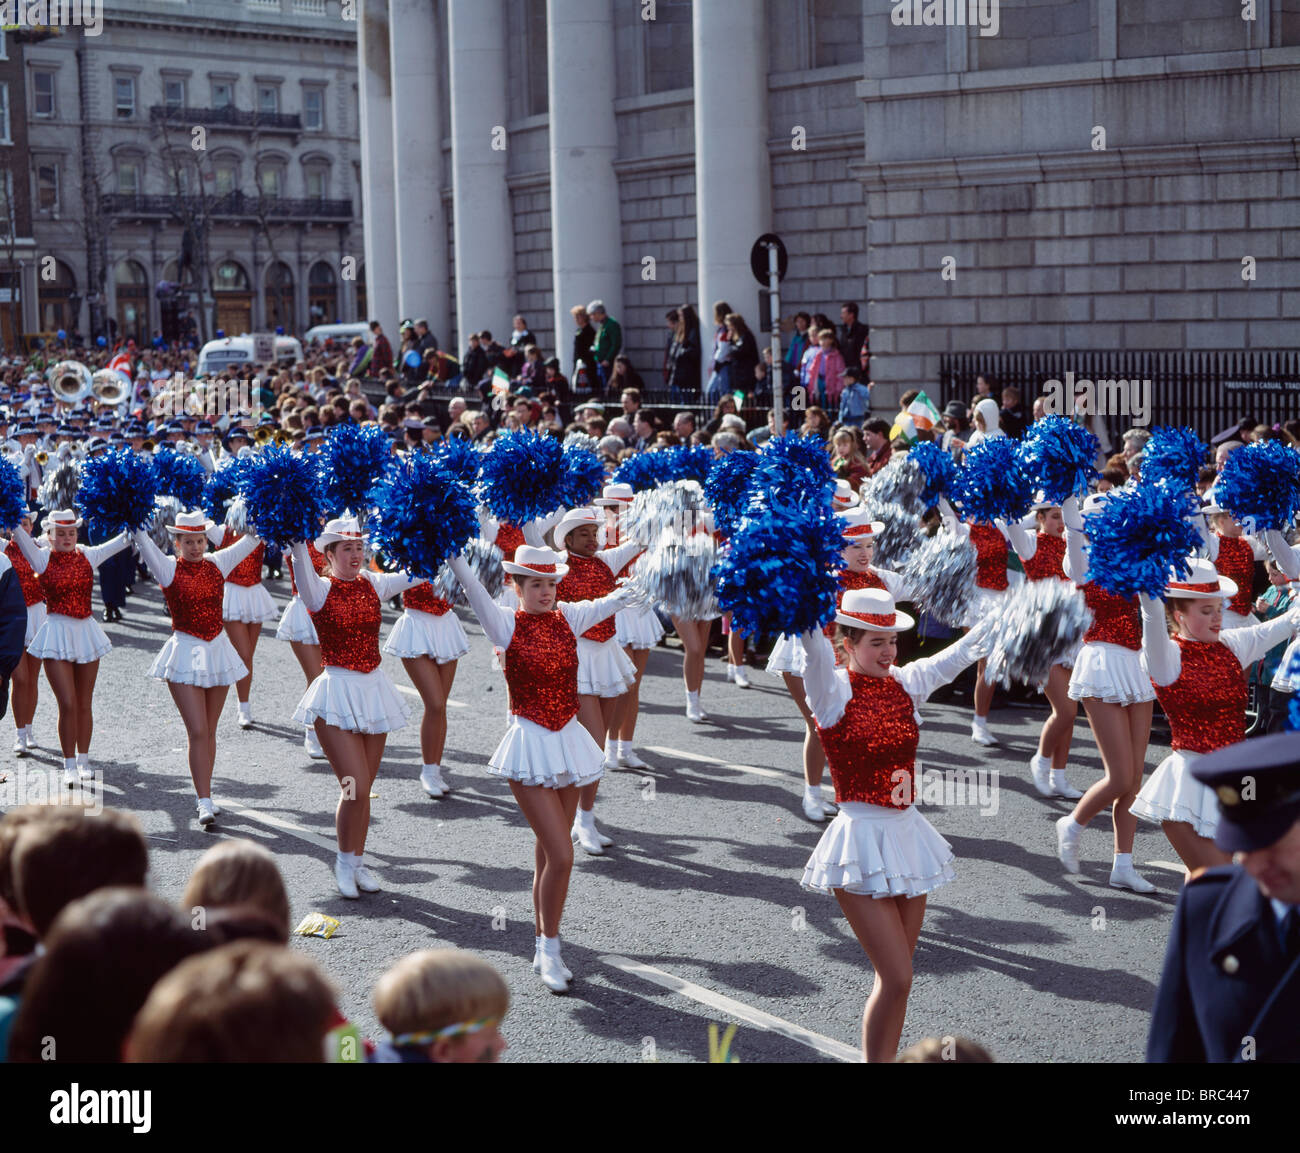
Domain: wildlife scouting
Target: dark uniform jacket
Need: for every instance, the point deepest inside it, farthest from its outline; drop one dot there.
(1226, 978)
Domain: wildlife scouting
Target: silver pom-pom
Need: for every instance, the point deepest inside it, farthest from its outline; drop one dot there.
(582, 440)
(901, 534)
(941, 571)
(237, 516)
(1038, 625)
(59, 487)
(677, 574)
(484, 561)
(674, 508)
(165, 511)
(900, 482)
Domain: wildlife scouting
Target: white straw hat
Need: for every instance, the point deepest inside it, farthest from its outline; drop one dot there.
(614, 496)
(190, 524)
(61, 518)
(1202, 583)
(531, 561)
(860, 524)
(844, 496)
(873, 610)
(341, 528)
(571, 520)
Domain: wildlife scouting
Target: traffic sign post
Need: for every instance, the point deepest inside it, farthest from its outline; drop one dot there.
(768, 260)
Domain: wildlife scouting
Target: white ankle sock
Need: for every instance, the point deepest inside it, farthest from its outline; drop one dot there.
(621, 748)
(1123, 861)
(343, 858)
(83, 759)
(1058, 776)
(551, 945)
(812, 792)
(245, 707)
(692, 697)
(1073, 830)
(69, 762)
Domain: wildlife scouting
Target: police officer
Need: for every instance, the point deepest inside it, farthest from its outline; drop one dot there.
(1230, 990)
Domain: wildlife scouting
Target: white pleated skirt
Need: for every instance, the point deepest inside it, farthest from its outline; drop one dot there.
(1112, 673)
(534, 755)
(1233, 620)
(358, 702)
(1171, 793)
(190, 660)
(876, 851)
(982, 602)
(787, 656)
(604, 669)
(637, 628)
(251, 605)
(420, 634)
(35, 618)
(296, 624)
(76, 639)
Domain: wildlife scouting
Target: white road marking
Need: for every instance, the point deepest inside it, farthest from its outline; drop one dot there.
(682, 755)
(410, 692)
(1170, 865)
(737, 1009)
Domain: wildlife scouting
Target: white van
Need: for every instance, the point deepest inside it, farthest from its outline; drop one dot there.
(237, 351)
(340, 334)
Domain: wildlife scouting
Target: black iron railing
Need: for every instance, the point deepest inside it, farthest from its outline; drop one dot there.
(230, 205)
(227, 117)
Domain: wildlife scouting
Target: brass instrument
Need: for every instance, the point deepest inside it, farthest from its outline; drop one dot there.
(263, 436)
(149, 445)
(110, 387)
(42, 457)
(71, 382)
(282, 437)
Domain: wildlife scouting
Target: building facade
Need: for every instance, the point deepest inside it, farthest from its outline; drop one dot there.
(672, 134)
(197, 157)
(18, 269)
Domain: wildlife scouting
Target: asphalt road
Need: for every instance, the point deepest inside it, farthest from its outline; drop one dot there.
(695, 915)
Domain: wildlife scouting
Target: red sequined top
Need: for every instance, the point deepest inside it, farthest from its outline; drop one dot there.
(874, 740)
(67, 582)
(589, 579)
(1237, 562)
(347, 625)
(1048, 560)
(248, 571)
(1115, 620)
(991, 556)
(509, 538)
(422, 599)
(541, 667)
(1206, 705)
(194, 598)
(317, 559)
(31, 583)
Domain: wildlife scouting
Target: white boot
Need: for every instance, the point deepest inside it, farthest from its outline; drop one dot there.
(1040, 769)
(84, 771)
(206, 815)
(32, 742)
(537, 958)
(627, 757)
(552, 966)
(345, 875)
(1067, 842)
(741, 677)
(365, 879)
(812, 804)
(245, 714)
(694, 712)
(1124, 876)
(311, 744)
(1062, 788)
(70, 772)
(20, 743)
(611, 753)
(584, 832)
(731, 672)
(979, 732)
(431, 779)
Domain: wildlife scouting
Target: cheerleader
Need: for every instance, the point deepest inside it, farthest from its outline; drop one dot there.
(1286, 680)
(428, 640)
(246, 606)
(1197, 674)
(198, 662)
(879, 857)
(605, 673)
(546, 755)
(1233, 554)
(352, 704)
(990, 587)
(637, 629)
(295, 627)
(1042, 554)
(694, 635)
(69, 640)
(787, 657)
(1112, 682)
(26, 676)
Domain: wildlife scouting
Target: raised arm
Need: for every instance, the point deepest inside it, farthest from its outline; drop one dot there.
(828, 694)
(97, 554)
(498, 623)
(312, 587)
(1019, 538)
(921, 678)
(617, 557)
(1164, 662)
(37, 556)
(951, 521)
(389, 584)
(162, 567)
(1249, 644)
(582, 615)
(535, 530)
(1288, 560)
(488, 525)
(898, 588)
(1209, 540)
(216, 534)
(226, 559)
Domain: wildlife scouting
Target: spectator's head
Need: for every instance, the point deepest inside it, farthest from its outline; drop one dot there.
(721, 310)
(474, 340)
(847, 442)
(851, 375)
(621, 427)
(1010, 397)
(725, 405)
(596, 310)
(445, 1002)
(644, 426)
(479, 422)
(875, 433)
(985, 384)
(1205, 479)
(1112, 477)
(249, 1001)
(684, 425)
(826, 338)
(1225, 450)
(1040, 407)
(1135, 465)
(906, 399)
(532, 353)
(724, 443)
(987, 419)
(801, 321)
(631, 399)
(849, 313)
(580, 317)
(732, 422)
(672, 317)
(376, 328)
(485, 337)
(455, 407)
(736, 326)
(1135, 440)
(520, 324)
(552, 368)
(955, 415)
(611, 446)
(239, 873)
(58, 859)
(936, 1051)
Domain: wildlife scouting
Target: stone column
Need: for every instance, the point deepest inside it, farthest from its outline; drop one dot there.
(587, 250)
(378, 207)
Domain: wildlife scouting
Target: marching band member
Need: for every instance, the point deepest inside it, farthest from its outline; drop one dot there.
(27, 673)
(546, 754)
(198, 662)
(352, 704)
(605, 673)
(1197, 674)
(245, 608)
(295, 627)
(879, 857)
(69, 641)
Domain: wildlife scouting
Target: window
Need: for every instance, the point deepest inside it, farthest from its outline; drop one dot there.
(668, 61)
(43, 94)
(124, 96)
(223, 94)
(47, 188)
(174, 93)
(837, 32)
(536, 96)
(128, 177)
(178, 180)
(4, 114)
(316, 183)
(271, 181)
(225, 179)
(313, 109)
(8, 226)
(268, 99)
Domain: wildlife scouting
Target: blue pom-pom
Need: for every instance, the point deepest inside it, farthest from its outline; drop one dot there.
(691, 462)
(584, 476)
(459, 457)
(1058, 457)
(116, 493)
(352, 458)
(727, 489)
(991, 483)
(779, 572)
(1140, 537)
(222, 487)
(644, 471)
(1260, 485)
(179, 474)
(284, 495)
(422, 515)
(1173, 454)
(938, 468)
(13, 495)
(794, 470)
(524, 476)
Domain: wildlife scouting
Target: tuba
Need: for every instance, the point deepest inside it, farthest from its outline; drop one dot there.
(263, 436)
(70, 381)
(110, 387)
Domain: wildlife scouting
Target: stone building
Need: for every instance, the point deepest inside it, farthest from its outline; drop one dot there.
(18, 312)
(197, 154)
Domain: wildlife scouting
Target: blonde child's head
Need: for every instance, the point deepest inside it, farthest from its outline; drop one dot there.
(239, 873)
